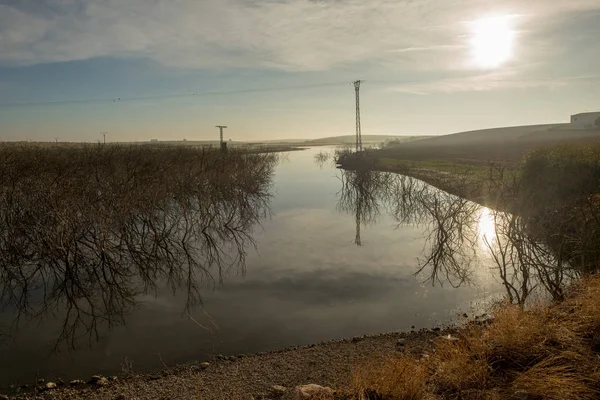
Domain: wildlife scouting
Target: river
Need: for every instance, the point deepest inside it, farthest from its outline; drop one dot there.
(309, 278)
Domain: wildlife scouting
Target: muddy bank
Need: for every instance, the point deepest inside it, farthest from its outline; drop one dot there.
(239, 377)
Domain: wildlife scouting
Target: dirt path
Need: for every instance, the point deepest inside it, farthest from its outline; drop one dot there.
(328, 364)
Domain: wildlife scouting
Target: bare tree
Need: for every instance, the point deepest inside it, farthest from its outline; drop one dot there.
(86, 230)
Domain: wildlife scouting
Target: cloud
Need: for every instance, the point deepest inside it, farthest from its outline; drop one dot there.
(490, 82)
(282, 34)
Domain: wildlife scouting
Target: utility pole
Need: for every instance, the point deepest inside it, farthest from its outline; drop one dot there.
(222, 143)
(358, 131)
(104, 136)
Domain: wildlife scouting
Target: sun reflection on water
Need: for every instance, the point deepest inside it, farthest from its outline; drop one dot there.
(486, 227)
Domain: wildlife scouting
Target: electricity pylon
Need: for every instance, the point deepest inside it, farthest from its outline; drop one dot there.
(358, 130)
(221, 127)
(222, 144)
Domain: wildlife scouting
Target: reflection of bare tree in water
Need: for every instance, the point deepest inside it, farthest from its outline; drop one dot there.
(87, 230)
(524, 258)
(453, 236)
(450, 222)
(449, 219)
(322, 157)
(362, 191)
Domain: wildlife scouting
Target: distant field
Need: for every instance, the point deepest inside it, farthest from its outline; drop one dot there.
(482, 146)
(366, 139)
(331, 141)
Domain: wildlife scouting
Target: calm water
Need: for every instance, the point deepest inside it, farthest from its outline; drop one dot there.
(307, 281)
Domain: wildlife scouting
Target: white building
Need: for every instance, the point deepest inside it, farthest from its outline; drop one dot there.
(588, 120)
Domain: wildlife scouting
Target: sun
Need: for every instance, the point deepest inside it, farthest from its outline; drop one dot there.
(492, 41)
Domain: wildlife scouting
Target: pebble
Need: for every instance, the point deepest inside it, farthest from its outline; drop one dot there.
(204, 365)
(450, 338)
(76, 382)
(277, 391)
(400, 344)
(312, 391)
(98, 380)
(50, 386)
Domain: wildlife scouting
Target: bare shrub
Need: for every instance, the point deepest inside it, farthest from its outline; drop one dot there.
(86, 229)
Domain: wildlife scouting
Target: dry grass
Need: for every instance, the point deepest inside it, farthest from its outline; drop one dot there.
(556, 378)
(538, 353)
(457, 367)
(401, 378)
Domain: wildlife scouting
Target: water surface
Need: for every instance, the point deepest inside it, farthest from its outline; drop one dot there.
(306, 281)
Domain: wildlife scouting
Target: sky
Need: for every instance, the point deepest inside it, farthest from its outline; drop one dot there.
(283, 69)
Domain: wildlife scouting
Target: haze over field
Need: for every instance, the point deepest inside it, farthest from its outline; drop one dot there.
(282, 70)
(499, 144)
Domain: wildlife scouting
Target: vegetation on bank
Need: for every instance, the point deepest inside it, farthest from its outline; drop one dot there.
(550, 238)
(86, 229)
(536, 353)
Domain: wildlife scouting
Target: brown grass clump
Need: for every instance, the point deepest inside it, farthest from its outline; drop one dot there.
(401, 378)
(517, 337)
(555, 378)
(582, 310)
(539, 353)
(458, 368)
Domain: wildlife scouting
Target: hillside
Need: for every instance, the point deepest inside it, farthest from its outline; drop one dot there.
(481, 146)
(366, 139)
(326, 141)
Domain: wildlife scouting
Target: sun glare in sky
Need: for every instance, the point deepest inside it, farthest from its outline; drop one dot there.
(492, 41)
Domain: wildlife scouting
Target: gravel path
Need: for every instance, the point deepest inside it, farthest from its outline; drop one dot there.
(328, 364)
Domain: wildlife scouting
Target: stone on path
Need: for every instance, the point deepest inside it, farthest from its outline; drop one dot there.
(400, 344)
(307, 392)
(277, 391)
(102, 382)
(451, 338)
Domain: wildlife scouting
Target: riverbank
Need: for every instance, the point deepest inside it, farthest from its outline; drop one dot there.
(543, 352)
(239, 377)
(469, 181)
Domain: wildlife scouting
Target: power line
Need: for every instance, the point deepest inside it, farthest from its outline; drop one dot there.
(171, 96)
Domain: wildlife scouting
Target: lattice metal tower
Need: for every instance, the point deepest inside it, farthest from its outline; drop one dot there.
(222, 144)
(221, 127)
(358, 131)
